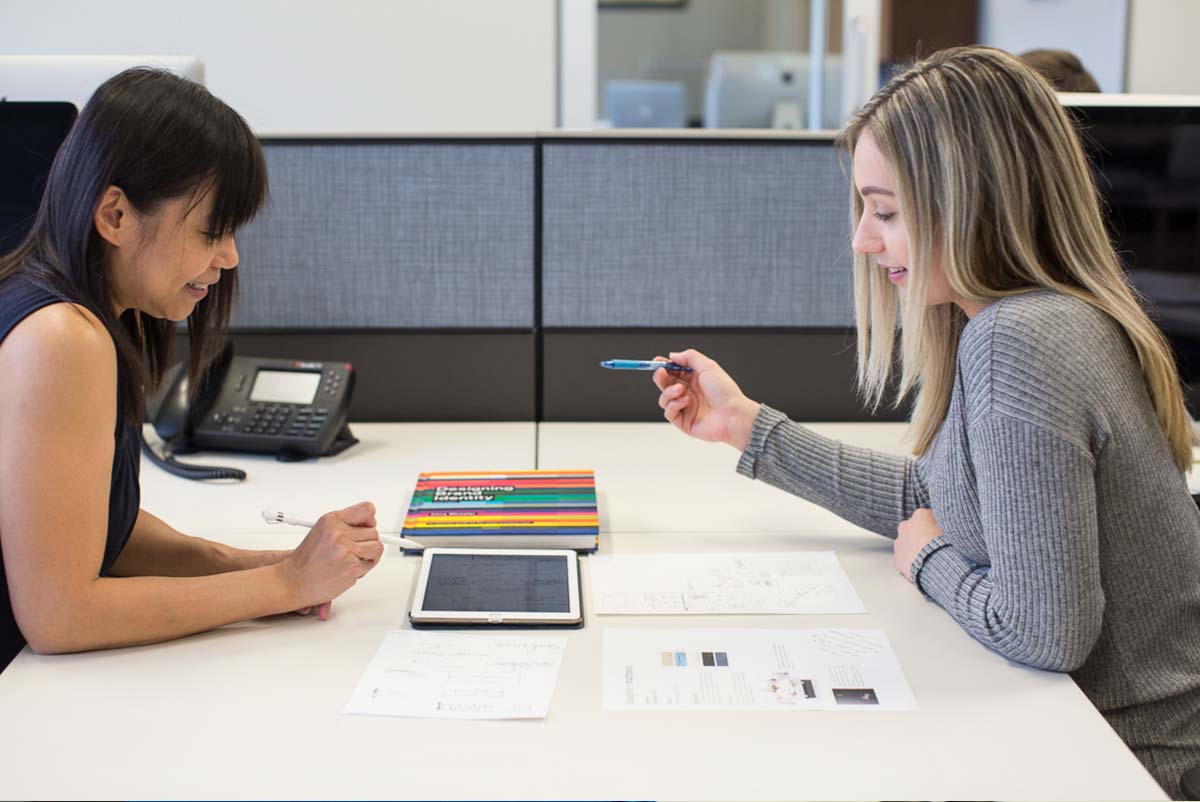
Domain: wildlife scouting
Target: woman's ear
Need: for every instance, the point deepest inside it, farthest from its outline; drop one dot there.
(114, 219)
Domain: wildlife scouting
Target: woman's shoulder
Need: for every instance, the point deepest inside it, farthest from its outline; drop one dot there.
(1041, 328)
(59, 366)
(1031, 315)
(1041, 353)
(22, 296)
(61, 334)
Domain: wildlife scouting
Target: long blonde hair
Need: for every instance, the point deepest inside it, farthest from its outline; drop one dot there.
(993, 182)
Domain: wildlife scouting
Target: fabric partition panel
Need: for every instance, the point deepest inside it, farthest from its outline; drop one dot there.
(686, 233)
(392, 234)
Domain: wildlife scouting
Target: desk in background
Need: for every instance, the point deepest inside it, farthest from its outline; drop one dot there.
(254, 709)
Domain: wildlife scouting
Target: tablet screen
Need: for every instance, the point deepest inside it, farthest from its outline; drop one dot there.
(511, 582)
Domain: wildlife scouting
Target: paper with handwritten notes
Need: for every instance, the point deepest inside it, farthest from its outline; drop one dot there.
(811, 582)
(457, 675)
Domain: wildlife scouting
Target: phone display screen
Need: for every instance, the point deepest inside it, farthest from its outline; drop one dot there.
(285, 386)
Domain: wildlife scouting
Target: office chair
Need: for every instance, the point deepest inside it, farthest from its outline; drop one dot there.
(1189, 783)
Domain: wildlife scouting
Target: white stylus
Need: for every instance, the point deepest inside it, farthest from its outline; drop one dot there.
(278, 517)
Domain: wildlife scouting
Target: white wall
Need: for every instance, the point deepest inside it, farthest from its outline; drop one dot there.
(785, 25)
(1094, 30)
(577, 63)
(308, 66)
(1162, 47)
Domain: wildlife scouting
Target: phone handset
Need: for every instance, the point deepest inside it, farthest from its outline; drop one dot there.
(174, 418)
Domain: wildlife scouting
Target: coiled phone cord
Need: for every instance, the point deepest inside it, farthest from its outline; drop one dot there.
(168, 463)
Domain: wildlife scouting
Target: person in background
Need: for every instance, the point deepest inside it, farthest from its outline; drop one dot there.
(1046, 508)
(135, 232)
(1062, 69)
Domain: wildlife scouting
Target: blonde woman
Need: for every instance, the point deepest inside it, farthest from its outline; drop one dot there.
(1046, 508)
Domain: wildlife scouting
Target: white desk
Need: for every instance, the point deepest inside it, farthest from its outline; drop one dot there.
(253, 710)
(652, 478)
(381, 468)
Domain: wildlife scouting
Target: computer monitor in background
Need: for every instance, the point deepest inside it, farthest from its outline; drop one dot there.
(30, 134)
(763, 89)
(1146, 153)
(39, 96)
(75, 78)
(645, 104)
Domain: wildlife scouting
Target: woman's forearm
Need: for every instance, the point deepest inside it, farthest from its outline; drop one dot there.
(156, 549)
(111, 612)
(871, 489)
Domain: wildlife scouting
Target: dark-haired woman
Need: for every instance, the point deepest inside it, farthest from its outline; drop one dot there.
(135, 232)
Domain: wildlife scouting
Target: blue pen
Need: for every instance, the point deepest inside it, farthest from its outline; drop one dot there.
(642, 364)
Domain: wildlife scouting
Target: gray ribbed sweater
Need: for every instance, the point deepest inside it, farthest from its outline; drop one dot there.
(1069, 539)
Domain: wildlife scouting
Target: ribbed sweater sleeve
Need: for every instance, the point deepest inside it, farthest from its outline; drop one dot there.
(868, 488)
(1040, 601)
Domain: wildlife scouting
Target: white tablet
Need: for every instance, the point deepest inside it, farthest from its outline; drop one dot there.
(513, 587)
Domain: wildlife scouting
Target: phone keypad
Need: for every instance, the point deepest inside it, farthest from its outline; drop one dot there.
(307, 421)
(286, 420)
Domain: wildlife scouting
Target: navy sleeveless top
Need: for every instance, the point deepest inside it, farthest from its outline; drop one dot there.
(20, 298)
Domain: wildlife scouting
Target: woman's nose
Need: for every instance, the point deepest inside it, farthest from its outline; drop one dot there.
(865, 240)
(227, 254)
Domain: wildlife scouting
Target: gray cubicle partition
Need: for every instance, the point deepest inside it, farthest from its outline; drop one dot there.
(484, 278)
(661, 233)
(412, 259)
(737, 247)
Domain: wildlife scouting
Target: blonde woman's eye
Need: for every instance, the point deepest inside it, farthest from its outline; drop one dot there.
(883, 218)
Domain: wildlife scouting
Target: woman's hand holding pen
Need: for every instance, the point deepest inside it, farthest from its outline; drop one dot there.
(336, 553)
(706, 403)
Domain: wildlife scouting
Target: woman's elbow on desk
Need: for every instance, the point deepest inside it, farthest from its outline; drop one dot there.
(45, 647)
(54, 632)
(1059, 658)
(1062, 648)
(78, 619)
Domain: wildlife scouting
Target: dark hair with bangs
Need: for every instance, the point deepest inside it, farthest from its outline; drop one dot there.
(158, 137)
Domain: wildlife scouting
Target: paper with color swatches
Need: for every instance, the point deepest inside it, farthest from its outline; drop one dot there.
(787, 670)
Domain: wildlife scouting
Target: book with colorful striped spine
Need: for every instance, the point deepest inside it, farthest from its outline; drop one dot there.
(505, 509)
